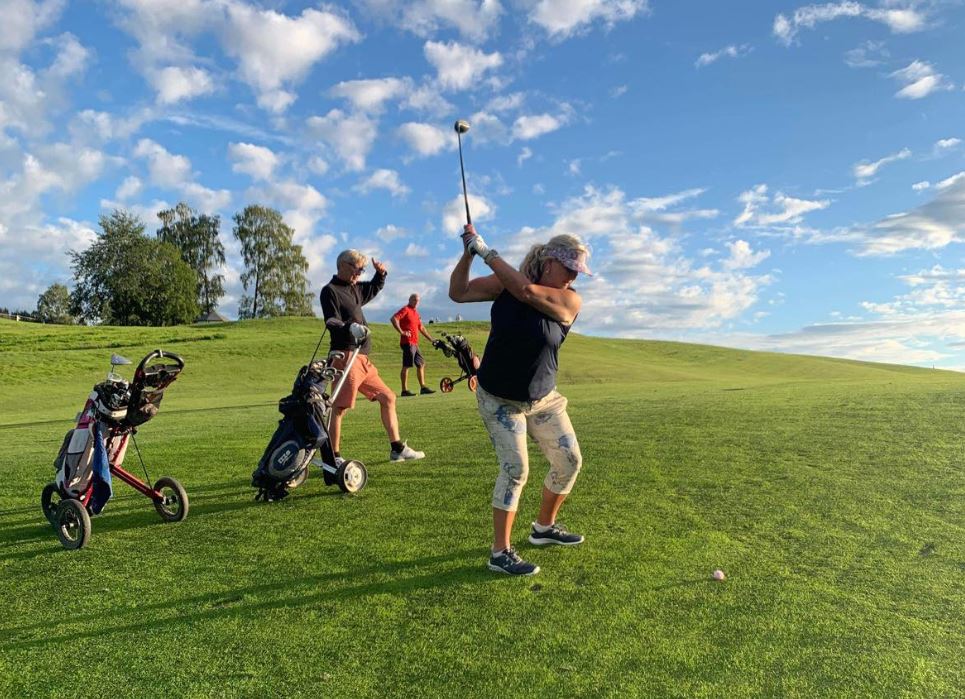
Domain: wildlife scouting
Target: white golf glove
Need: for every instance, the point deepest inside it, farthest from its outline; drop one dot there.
(477, 246)
(358, 331)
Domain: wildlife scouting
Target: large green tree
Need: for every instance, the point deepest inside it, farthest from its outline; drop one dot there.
(126, 278)
(196, 236)
(53, 306)
(274, 279)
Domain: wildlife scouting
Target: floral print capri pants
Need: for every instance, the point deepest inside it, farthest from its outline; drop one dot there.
(546, 421)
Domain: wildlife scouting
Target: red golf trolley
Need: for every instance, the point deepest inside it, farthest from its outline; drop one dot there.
(93, 452)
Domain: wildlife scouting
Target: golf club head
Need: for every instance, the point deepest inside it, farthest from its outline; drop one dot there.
(461, 126)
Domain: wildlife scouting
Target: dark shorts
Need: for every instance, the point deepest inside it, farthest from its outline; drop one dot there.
(411, 356)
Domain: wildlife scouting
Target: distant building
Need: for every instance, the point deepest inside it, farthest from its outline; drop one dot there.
(212, 317)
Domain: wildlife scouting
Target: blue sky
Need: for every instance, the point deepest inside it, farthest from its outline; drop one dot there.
(777, 176)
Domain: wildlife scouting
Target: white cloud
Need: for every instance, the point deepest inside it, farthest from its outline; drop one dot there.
(175, 83)
(506, 103)
(743, 257)
(473, 19)
(532, 126)
(946, 144)
(256, 161)
(129, 188)
(72, 57)
(24, 19)
(900, 21)
(866, 170)
(384, 179)
(867, 55)
(933, 225)
(920, 186)
(427, 99)
(783, 209)
(351, 136)
(563, 18)
(454, 213)
(920, 80)
(205, 199)
(317, 165)
(426, 139)
(371, 95)
(619, 91)
(524, 155)
(655, 210)
(644, 283)
(390, 232)
(458, 66)
(732, 51)
(171, 171)
(166, 169)
(274, 50)
(413, 250)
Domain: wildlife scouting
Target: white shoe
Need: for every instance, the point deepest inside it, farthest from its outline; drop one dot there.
(407, 454)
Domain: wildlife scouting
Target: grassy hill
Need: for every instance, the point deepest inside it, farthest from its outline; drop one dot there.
(831, 492)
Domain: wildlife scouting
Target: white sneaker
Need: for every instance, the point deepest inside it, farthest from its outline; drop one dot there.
(407, 454)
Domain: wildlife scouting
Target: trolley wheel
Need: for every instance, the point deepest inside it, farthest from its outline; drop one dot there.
(72, 524)
(173, 506)
(48, 504)
(298, 479)
(473, 383)
(446, 385)
(351, 476)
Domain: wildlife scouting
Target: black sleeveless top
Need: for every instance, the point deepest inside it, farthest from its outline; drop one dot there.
(522, 354)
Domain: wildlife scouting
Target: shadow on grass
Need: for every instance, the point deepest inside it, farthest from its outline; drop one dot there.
(407, 577)
(138, 512)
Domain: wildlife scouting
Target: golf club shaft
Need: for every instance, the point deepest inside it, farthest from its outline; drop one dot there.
(462, 170)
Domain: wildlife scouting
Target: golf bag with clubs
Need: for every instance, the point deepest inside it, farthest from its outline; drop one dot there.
(93, 451)
(458, 346)
(303, 431)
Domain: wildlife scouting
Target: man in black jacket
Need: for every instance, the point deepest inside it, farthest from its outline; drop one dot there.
(342, 300)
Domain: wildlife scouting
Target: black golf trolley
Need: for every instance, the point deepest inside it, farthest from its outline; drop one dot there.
(302, 435)
(458, 346)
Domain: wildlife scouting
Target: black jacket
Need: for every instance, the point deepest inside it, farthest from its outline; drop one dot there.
(343, 301)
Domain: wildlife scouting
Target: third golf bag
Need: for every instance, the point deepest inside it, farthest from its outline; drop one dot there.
(303, 431)
(458, 346)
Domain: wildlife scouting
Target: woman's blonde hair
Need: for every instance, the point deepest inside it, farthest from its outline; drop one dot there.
(532, 265)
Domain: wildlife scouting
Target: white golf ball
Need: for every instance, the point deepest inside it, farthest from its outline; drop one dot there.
(719, 575)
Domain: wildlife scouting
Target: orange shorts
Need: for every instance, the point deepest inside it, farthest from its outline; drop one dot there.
(362, 378)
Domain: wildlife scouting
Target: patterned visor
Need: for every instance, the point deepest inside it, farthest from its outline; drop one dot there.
(569, 258)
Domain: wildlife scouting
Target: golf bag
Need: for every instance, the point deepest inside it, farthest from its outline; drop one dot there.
(94, 450)
(303, 432)
(458, 346)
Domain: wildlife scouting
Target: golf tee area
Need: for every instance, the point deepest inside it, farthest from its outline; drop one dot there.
(829, 492)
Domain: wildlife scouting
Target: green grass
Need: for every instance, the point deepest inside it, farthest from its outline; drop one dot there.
(831, 493)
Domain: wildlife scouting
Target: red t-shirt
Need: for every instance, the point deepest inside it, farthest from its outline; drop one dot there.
(409, 319)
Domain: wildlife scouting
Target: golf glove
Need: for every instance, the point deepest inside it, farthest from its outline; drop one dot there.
(478, 246)
(359, 331)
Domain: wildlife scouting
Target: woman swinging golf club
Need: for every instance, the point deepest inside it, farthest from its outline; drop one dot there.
(532, 312)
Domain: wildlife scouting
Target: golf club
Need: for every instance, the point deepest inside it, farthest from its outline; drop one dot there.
(461, 127)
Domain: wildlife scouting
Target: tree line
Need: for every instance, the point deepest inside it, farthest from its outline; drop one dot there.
(127, 277)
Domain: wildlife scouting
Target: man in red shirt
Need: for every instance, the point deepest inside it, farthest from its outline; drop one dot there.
(408, 324)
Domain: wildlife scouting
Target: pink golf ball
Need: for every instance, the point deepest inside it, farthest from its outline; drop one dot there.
(719, 575)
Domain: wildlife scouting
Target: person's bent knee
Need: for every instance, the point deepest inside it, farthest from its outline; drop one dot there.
(564, 471)
(386, 398)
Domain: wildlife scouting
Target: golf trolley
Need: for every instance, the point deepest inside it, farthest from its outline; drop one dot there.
(93, 451)
(458, 346)
(304, 431)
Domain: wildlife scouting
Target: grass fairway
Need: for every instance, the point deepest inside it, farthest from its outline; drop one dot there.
(831, 493)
